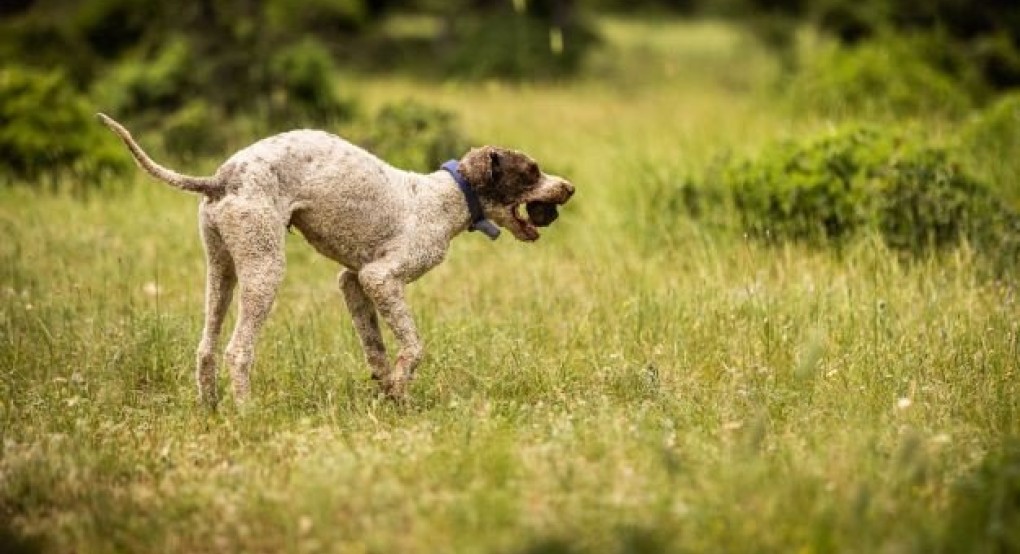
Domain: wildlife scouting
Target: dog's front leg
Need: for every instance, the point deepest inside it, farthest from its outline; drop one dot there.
(365, 323)
(384, 284)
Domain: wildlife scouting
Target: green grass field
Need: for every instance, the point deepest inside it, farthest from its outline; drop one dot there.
(634, 382)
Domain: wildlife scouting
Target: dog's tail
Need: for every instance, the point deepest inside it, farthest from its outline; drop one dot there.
(186, 182)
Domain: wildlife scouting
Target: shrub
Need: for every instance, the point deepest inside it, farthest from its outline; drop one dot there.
(324, 16)
(984, 508)
(304, 87)
(880, 77)
(47, 128)
(926, 201)
(184, 98)
(812, 192)
(41, 41)
(414, 136)
(827, 189)
(515, 46)
(984, 35)
(992, 138)
(296, 85)
(195, 130)
(161, 83)
(111, 27)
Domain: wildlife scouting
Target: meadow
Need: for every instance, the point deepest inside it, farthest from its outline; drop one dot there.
(636, 381)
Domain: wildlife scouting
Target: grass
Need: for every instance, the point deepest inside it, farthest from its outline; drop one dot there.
(624, 385)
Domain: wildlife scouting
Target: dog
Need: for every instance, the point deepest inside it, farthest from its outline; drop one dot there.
(384, 225)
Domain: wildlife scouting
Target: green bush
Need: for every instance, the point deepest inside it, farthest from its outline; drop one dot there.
(992, 138)
(112, 27)
(160, 83)
(42, 42)
(46, 128)
(295, 86)
(324, 16)
(926, 201)
(985, 36)
(984, 508)
(807, 192)
(515, 46)
(195, 130)
(181, 97)
(826, 189)
(888, 76)
(413, 136)
(303, 86)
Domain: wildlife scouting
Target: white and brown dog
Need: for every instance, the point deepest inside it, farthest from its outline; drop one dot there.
(386, 226)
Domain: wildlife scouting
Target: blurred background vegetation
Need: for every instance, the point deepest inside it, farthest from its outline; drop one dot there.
(198, 79)
(173, 67)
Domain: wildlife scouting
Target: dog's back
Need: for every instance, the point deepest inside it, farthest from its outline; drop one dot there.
(343, 199)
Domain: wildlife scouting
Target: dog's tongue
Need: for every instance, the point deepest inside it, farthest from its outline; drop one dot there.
(542, 214)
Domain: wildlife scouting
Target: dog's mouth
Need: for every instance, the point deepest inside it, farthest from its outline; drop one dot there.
(529, 215)
(523, 228)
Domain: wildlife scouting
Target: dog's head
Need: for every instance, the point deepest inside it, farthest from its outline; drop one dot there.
(513, 191)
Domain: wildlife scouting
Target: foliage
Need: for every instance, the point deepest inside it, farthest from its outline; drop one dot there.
(992, 138)
(47, 128)
(985, 34)
(985, 507)
(413, 136)
(163, 67)
(162, 82)
(321, 17)
(647, 6)
(304, 89)
(299, 81)
(879, 77)
(505, 44)
(44, 42)
(829, 188)
(111, 27)
(195, 130)
(232, 40)
(925, 200)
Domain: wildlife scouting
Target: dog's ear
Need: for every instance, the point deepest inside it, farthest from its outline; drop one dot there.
(495, 167)
(482, 167)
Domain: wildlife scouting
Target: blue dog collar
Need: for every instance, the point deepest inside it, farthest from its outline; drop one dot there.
(478, 220)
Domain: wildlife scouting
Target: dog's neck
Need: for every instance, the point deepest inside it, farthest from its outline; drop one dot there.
(440, 204)
(478, 220)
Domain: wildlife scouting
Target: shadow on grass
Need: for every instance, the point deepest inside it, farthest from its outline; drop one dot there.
(985, 507)
(629, 540)
(13, 542)
(983, 516)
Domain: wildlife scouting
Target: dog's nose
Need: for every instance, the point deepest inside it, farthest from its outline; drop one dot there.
(569, 188)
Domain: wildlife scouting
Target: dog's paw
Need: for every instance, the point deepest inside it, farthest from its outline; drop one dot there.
(394, 387)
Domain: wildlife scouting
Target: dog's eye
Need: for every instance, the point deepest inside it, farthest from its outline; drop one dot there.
(534, 172)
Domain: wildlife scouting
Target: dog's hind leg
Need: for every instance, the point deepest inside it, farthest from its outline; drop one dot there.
(255, 241)
(366, 323)
(219, 288)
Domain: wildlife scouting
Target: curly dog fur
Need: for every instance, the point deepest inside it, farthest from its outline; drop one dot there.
(385, 226)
